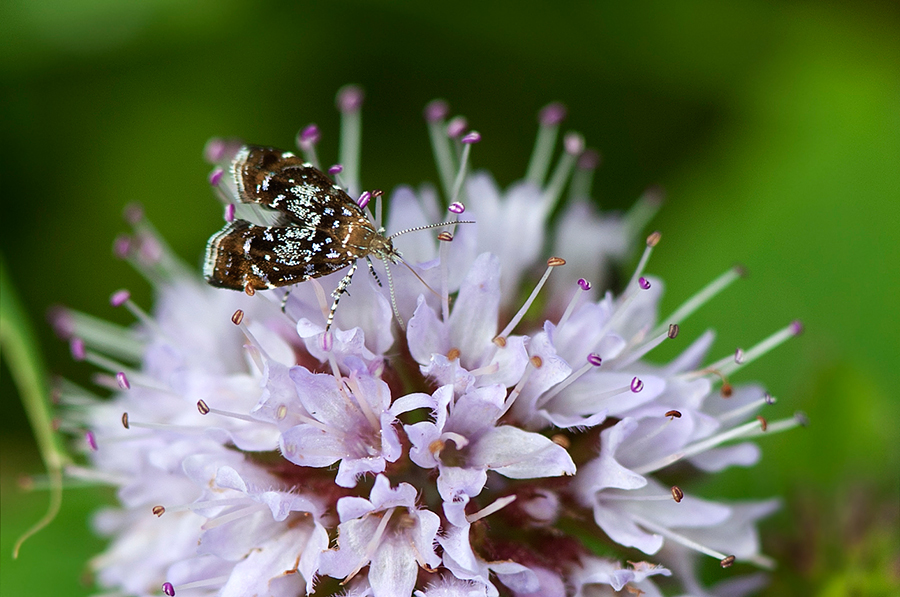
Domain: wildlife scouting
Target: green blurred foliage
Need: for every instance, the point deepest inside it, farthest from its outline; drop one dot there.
(774, 127)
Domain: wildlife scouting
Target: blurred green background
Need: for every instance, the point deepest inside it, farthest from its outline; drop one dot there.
(774, 128)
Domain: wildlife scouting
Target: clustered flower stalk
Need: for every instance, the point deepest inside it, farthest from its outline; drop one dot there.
(488, 445)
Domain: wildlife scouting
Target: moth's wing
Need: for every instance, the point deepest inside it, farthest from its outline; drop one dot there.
(244, 255)
(282, 181)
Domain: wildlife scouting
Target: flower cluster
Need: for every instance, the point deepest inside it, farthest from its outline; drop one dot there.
(475, 443)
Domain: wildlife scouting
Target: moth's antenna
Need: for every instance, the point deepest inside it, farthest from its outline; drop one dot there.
(416, 274)
(390, 278)
(426, 227)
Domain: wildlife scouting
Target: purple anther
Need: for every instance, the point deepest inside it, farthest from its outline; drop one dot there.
(636, 385)
(739, 356)
(594, 359)
(769, 398)
(552, 114)
(436, 110)
(456, 208)
(62, 321)
(457, 126)
(168, 589)
(589, 159)
(308, 137)
(327, 341)
(644, 283)
(214, 150)
(122, 380)
(336, 169)
(215, 177)
(119, 297)
(349, 98)
(472, 137)
(310, 134)
(229, 212)
(91, 440)
(363, 200)
(76, 347)
(133, 213)
(573, 143)
(584, 284)
(796, 327)
(149, 248)
(122, 246)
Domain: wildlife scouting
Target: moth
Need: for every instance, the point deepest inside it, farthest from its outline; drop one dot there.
(318, 230)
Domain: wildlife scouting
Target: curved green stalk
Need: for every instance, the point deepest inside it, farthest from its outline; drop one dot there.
(19, 349)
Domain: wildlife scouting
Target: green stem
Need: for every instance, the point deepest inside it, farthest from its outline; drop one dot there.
(19, 349)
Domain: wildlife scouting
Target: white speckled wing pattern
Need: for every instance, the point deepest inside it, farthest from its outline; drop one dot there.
(321, 229)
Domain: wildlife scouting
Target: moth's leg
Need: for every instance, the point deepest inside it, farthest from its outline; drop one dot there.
(338, 292)
(284, 300)
(372, 271)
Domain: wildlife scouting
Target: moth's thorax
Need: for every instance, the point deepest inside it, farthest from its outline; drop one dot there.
(375, 242)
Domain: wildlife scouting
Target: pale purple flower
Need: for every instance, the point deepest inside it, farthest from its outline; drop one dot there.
(440, 439)
(386, 532)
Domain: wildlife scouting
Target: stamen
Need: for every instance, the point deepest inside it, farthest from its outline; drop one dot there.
(205, 410)
(379, 210)
(745, 430)
(534, 362)
(203, 584)
(231, 516)
(444, 254)
(87, 330)
(728, 365)
(122, 380)
(363, 200)
(636, 278)
(583, 286)
(638, 353)
(456, 207)
(372, 545)
(583, 177)
(677, 494)
(129, 423)
(467, 142)
(335, 170)
(593, 360)
(573, 145)
(76, 348)
(435, 113)
(91, 440)
(496, 506)
(549, 119)
(168, 589)
(122, 246)
(306, 142)
(551, 263)
(636, 385)
(229, 212)
(702, 297)
(743, 411)
(457, 126)
(123, 297)
(349, 102)
(677, 538)
(215, 177)
(765, 428)
(637, 218)
(362, 404)
(194, 506)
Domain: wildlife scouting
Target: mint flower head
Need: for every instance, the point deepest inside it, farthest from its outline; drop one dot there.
(444, 436)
